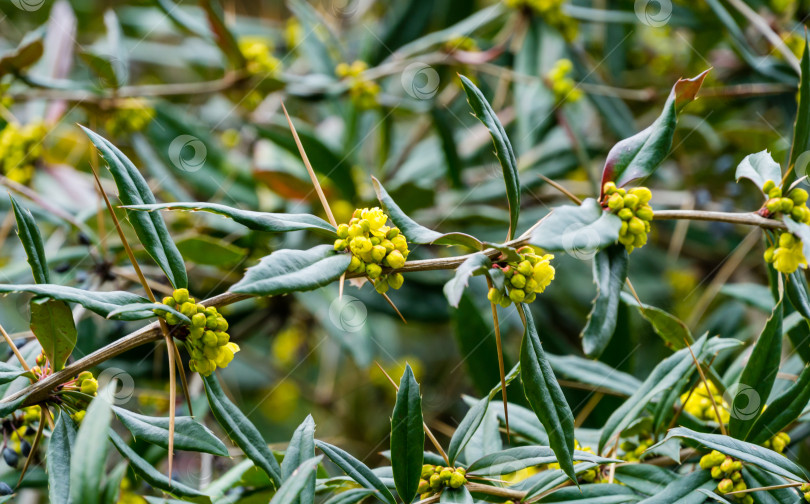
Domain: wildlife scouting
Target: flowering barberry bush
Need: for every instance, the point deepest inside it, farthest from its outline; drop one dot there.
(436, 252)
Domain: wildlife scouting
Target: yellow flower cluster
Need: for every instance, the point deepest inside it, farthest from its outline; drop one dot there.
(562, 85)
(373, 244)
(258, 53)
(552, 13)
(207, 342)
(20, 147)
(633, 209)
(778, 442)
(591, 475)
(525, 278)
(793, 205)
(699, 403)
(18, 443)
(129, 116)
(434, 478)
(805, 490)
(786, 253)
(727, 471)
(633, 450)
(362, 91)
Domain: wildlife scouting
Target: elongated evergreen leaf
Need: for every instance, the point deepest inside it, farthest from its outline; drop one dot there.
(90, 453)
(357, 471)
(577, 230)
(155, 478)
(241, 430)
(546, 397)
(31, 239)
(609, 274)
(759, 168)
(189, 434)
(456, 496)
(286, 271)
(416, 233)
(639, 155)
(60, 448)
(801, 128)
(503, 148)
(258, 221)
(465, 430)
(294, 487)
(52, 324)
(407, 437)
(99, 302)
(763, 458)
(758, 377)
(301, 449)
(150, 227)
(672, 330)
(783, 410)
(517, 458)
(474, 265)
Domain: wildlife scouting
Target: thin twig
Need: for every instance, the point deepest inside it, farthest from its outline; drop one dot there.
(501, 368)
(34, 444)
(761, 489)
(562, 189)
(708, 389)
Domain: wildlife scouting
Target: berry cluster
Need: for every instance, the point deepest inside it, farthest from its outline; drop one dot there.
(698, 403)
(633, 450)
(633, 209)
(552, 13)
(525, 278)
(786, 254)
(362, 90)
(373, 245)
(258, 54)
(793, 205)
(18, 434)
(129, 116)
(805, 490)
(727, 471)
(84, 383)
(207, 342)
(561, 83)
(20, 147)
(778, 442)
(434, 478)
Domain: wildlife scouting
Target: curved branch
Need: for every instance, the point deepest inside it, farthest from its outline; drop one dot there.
(40, 390)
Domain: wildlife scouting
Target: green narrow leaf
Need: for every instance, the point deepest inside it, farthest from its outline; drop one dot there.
(801, 128)
(31, 239)
(593, 494)
(222, 35)
(26, 54)
(102, 303)
(476, 342)
(415, 232)
(152, 476)
(407, 437)
(515, 459)
(761, 457)
(609, 274)
(90, 453)
(797, 294)
(456, 496)
(352, 496)
(9, 372)
(758, 377)
(593, 373)
(258, 221)
(683, 490)
(546, 397)
(357, 471)
(503, 148)
(241, 430)
(150, 227)
(671, 329)
(52, 324)
(155, 308)
(759, 168)
(286, 271)
(473, 265)
(639, 155)
(189, 434)
(577, 230)
(301, 449)
(59, 450)
(466, 429)
(783, 410)
(297, 483)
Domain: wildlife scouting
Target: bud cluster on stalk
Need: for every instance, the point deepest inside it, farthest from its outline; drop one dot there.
(727, 471)
(435, 478)
(699, 404)
(207, 342)
(633, 209)
(373, 245)
(525, 278)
